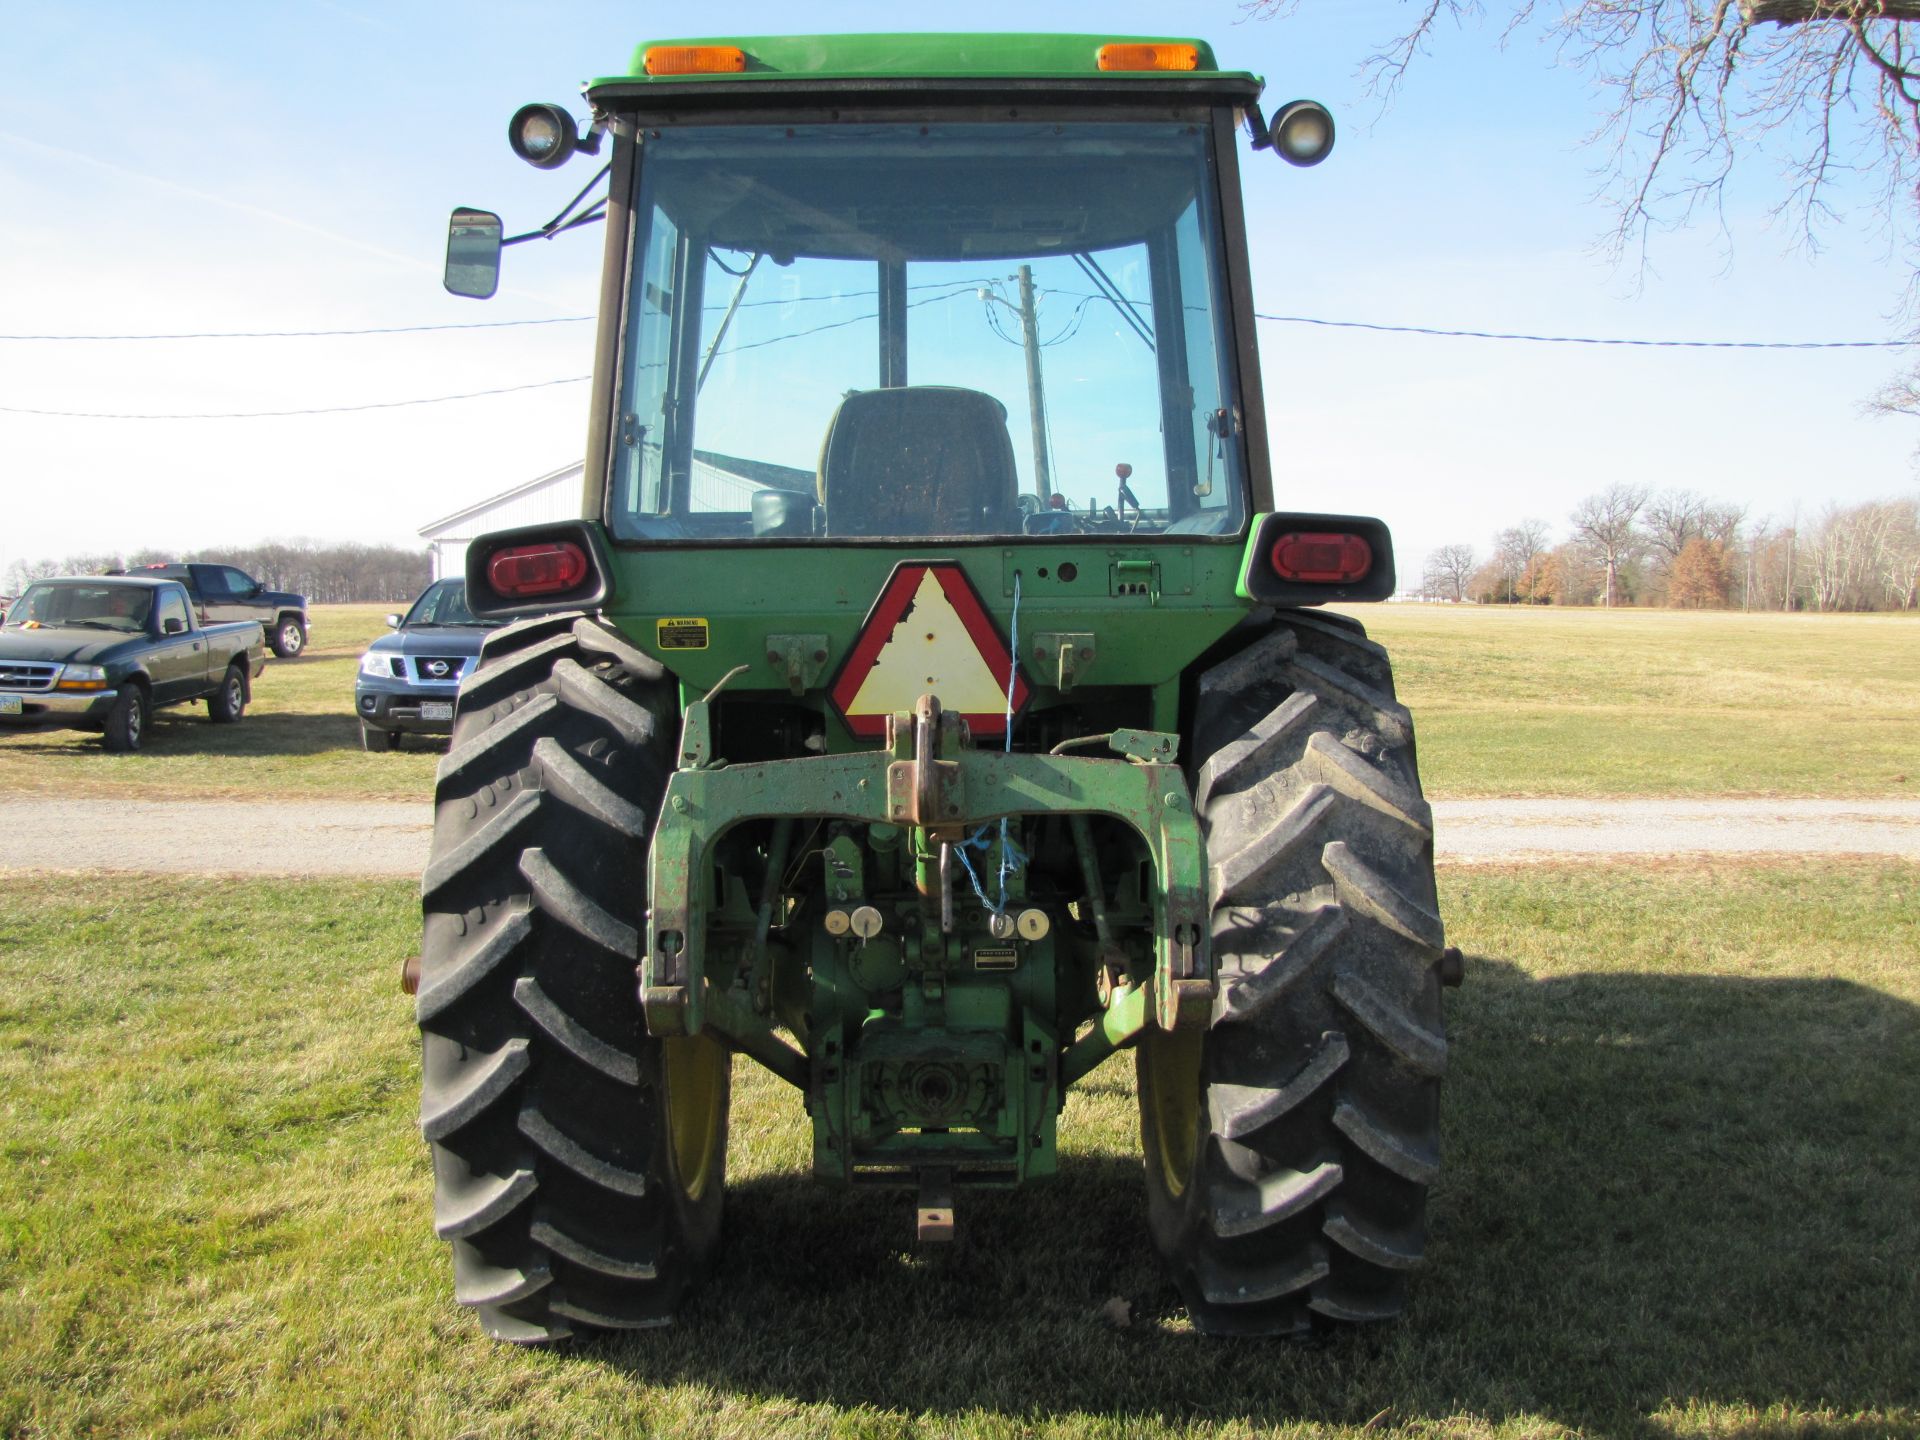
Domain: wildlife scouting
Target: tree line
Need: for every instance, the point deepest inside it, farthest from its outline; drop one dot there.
(1630, 545)
(326, 574)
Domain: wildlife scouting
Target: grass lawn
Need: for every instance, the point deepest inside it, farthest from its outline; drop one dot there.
(299, 738)
(1683, 1151)
(1512, 700)
(1509, 701)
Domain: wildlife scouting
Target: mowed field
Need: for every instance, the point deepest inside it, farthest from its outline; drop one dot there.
(1682, 1149)
(1516, 700)
(1507, 701)
(1680, 1194)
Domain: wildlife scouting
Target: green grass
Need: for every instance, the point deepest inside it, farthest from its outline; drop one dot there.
(1508, 701)
(1522, 701)
(299, 738)
(1683, 1150)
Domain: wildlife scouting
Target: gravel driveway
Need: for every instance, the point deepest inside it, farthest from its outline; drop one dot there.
(333, 837)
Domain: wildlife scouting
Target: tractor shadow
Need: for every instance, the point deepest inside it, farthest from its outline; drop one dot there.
(1657, 1191)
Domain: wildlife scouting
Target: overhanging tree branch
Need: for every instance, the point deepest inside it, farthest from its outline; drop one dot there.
(1823, 88)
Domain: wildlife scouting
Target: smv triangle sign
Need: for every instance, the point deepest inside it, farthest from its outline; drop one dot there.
(928, 633)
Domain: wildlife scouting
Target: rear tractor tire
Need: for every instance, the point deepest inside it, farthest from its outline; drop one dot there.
(1290, 1146)
(579, 1163)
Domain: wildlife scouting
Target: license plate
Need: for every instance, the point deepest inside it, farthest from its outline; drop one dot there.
(9, 705)
(436, 710)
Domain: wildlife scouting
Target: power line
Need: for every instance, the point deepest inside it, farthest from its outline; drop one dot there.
(866, 295)
(1381, 328)
(314, 334)
(952, 291)
(444, 399)
(1592, 339)
(318, 410)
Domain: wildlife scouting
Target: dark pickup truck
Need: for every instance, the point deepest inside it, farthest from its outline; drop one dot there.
(220, 592)
(101, 652)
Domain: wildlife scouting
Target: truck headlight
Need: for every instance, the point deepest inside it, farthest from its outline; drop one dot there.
(377, 663)
(81, 677)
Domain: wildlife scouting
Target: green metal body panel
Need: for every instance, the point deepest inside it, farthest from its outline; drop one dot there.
(808, 599)
(924, 57)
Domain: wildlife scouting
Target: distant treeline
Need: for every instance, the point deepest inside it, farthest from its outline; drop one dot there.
(1631, 546)
(325, 574)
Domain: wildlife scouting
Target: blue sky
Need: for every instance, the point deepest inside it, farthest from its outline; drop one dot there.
(196, 167)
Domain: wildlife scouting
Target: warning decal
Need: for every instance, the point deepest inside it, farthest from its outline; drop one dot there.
(680, 633)
(928, 634)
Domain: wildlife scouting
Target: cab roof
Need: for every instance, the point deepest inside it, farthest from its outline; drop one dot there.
(983, 61)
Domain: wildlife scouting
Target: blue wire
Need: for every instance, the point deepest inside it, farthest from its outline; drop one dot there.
(1013, 670)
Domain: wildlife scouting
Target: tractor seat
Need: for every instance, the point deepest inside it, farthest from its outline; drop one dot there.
(919, 460)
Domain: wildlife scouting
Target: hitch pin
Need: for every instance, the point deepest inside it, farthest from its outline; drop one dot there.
(946, 887)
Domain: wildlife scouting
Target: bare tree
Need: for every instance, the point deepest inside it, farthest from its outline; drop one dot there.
(1604, 525)
(1673, 517)
(1821, 87)
(1519, 548)
(23, 573)
(1447, 571)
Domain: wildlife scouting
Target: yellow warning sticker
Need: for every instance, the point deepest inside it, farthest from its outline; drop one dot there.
(680, 633)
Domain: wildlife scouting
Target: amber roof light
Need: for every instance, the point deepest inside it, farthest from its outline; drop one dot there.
(696, 60)
(1135, 56)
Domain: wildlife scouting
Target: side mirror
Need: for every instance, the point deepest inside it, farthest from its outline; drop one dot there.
(473, 253)
(173, 625)
(393, 622)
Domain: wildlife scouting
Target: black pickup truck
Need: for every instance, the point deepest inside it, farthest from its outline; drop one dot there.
(101, 652)
(220, 592)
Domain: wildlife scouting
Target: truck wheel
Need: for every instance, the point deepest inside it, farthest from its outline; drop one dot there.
(288, 637)
(372, 737)
(1289, 1147)
(578, 1162)
(127, 720)
(229, 702)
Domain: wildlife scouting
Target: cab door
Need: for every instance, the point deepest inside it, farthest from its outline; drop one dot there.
(243, 593)
(178, 662)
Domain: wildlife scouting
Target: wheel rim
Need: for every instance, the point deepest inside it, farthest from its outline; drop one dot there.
(234, 693)
(695, 1070)
(136, 718)
(1170, 1086)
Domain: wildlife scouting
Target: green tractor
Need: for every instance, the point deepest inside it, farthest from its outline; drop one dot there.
(931, 704)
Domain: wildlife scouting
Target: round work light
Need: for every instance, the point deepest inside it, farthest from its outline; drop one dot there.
(1303, 133)
(543, 135)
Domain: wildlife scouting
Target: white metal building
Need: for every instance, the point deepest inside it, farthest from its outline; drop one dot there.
(719, 482)
(553, 496)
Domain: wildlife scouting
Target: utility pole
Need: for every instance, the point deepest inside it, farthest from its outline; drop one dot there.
(1036, 395)
(1036, 398)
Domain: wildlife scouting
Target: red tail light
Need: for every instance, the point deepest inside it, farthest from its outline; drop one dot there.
(1320, 558)
(537, 569)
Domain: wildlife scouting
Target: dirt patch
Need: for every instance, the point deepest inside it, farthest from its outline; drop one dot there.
(335, 837)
